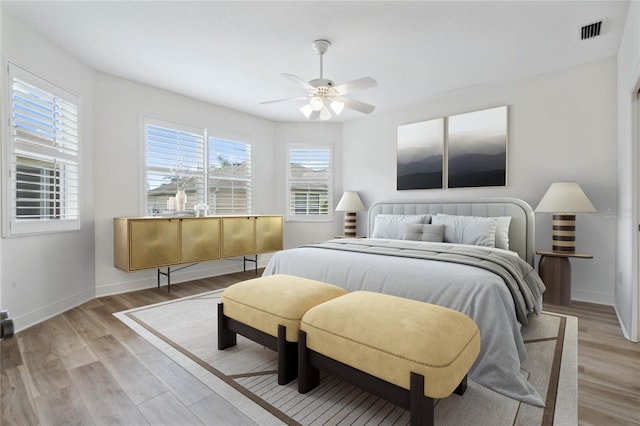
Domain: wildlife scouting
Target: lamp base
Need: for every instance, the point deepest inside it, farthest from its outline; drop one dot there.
(350, 224)
(563, 232)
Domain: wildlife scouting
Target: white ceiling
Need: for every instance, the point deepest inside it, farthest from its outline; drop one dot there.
(233, 53)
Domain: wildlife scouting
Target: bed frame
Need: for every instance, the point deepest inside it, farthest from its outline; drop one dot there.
(521, 230)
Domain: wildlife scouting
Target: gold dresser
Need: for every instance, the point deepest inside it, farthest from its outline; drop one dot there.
(156, 242)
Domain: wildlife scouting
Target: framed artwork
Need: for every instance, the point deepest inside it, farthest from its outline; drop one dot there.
(477, 148)
(420, 155)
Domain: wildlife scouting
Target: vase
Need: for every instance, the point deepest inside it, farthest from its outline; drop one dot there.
(171, 203)
(181, 200)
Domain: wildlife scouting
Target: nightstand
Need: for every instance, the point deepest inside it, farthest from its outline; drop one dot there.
(344, 236)
(555, 270)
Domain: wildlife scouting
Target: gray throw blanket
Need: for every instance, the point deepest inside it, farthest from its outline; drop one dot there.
(523, 282)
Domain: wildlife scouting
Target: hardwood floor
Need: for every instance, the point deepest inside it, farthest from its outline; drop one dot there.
(608, 367)
(86, 367)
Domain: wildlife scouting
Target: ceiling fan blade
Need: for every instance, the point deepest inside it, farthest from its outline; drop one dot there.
(299, 81)
(355, 105)
(300, 98)
(352, 86)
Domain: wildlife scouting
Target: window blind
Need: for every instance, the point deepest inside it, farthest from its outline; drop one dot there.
(309, 177)
(229, 177)
(174, 161)
(44, 158)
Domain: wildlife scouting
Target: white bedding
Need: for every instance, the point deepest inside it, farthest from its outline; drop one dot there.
(480, 294)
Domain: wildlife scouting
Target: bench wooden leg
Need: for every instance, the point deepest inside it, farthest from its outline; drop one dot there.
(287, 357)
(308, 376)
(462, 387)
(226, 337)
(228, 330)
(421, 405)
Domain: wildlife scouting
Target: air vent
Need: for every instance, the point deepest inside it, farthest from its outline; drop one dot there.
(591, 30)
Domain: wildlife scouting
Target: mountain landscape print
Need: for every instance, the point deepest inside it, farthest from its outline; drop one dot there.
(420, 155)
(477, 149)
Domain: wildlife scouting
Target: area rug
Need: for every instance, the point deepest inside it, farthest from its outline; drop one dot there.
(246, 375)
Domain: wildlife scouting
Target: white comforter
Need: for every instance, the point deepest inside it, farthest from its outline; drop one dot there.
(480, 294)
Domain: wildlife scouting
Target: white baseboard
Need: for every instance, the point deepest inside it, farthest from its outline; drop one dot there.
(49, 311)
(624, 327)
(216, 268)
(592, 297)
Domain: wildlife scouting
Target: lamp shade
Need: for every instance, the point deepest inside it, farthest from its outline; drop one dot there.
(566, 197)
(350, 202)
(306, 110)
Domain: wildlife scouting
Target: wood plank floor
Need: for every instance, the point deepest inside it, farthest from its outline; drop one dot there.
(608, 367)
(86, 367)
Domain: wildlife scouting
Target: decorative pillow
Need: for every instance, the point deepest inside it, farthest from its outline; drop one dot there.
(502, 229)
(502, 232)
(423, 232)
(391, 225)
(477, 231)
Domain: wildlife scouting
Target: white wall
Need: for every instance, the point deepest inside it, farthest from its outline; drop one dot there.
(626, 291)
(74, 267)
(298, 233)
(562, 126)
(119, 106)
(118, 110)
(44, 275)
(3, 89)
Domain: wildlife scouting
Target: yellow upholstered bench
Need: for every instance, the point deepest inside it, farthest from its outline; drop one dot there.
(268, 311)
(402, 350)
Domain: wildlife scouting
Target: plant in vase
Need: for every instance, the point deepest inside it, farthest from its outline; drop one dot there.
(181, 176)
(181, 200)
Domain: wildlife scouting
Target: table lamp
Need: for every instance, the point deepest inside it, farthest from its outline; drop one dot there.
(564, 199)
(350, 203)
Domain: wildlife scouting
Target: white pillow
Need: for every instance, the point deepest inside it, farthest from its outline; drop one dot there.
(502, 229)
(502, 232)
(391, 225)
(423, 232)
(473, 230)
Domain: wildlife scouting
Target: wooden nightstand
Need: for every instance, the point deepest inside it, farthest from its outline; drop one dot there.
(344, 236)
(555, 270)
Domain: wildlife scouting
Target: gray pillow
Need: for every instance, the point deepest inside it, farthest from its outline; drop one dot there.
(473, 230)
(391, 225)
(423, 232)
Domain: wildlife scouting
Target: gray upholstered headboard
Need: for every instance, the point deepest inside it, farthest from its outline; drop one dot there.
(521, 230)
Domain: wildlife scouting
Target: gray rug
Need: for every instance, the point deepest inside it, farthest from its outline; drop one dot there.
(245, 375)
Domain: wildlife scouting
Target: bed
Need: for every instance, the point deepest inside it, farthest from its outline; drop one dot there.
(497, 287)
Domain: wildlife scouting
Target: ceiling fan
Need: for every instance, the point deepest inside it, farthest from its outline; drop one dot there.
(323, 94)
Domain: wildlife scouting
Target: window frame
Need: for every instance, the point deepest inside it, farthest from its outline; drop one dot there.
(206, 135)
(329, 216)
(12, 226)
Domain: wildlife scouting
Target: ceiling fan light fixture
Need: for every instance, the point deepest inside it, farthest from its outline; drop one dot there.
(306, 110)
(337, 106)
(325, 114)
(325, 98)
(316, 103)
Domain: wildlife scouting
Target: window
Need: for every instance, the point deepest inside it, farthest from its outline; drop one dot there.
(44, 162)
(309, 181)
(175, 161)
(229, 177)
(217, 173)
